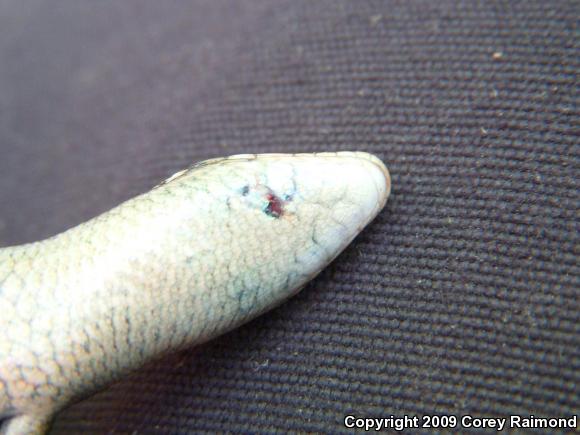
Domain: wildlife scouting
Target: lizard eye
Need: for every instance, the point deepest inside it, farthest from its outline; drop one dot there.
(274, 206)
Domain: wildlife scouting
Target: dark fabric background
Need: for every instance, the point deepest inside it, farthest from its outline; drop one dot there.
(461, 298)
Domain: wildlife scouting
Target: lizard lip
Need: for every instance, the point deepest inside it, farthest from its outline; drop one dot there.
(383, 179)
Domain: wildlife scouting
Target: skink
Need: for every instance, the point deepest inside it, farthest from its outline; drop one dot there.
(205, 251)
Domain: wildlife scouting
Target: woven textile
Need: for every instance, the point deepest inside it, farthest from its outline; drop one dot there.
(461, 298)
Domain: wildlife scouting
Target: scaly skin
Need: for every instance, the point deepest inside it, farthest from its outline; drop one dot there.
(200, 254)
